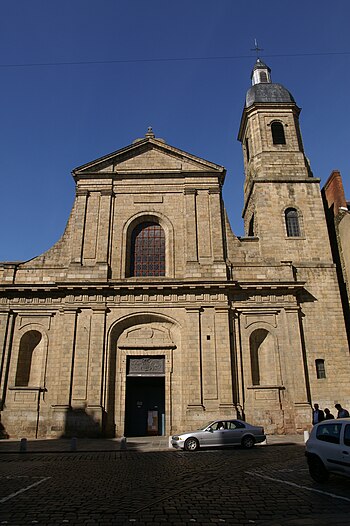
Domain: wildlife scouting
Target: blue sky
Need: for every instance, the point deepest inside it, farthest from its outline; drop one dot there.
(57, 117)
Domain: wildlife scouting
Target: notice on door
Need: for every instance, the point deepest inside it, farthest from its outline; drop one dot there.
(152, 423)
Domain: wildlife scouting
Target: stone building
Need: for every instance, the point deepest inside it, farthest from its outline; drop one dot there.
(149, 316)
(337, 210)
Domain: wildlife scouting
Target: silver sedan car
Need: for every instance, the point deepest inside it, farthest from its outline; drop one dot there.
(220, 433)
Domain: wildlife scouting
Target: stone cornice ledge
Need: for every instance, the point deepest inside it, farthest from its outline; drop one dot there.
(26, 388)
(160, 286)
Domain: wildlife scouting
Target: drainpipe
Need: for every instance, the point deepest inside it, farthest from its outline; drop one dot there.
(40, 390)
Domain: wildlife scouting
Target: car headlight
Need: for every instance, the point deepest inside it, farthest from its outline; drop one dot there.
(175, 438)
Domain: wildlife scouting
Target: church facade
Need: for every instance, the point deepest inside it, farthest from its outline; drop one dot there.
(149, 316)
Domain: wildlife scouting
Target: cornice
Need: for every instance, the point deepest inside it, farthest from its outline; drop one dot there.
(144, 287)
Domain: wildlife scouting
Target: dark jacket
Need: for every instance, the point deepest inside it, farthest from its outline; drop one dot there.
(317, 416)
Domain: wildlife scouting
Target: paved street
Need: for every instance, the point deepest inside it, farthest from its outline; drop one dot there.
(268, 485)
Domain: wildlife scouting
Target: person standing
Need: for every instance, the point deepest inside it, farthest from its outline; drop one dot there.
(342, 413)
(327, 414)
(317, 414)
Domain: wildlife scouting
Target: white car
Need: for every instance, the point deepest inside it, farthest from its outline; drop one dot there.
(328, 449)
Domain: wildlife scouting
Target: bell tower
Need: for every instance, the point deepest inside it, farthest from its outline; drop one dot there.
(282, 200)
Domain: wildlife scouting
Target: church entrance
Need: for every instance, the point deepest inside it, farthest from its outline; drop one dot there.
(145, 396)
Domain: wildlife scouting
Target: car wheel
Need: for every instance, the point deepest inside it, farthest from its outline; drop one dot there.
(317, 470)
(248, 442)
(191, 444)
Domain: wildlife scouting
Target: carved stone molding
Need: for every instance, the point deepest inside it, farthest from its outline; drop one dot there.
(146, 366)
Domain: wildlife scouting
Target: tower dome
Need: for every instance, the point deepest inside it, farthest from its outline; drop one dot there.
(263, 89)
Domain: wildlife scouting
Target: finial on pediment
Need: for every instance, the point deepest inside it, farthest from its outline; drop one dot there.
(150, 133)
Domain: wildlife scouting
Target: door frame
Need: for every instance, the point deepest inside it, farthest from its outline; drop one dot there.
(149, 383)
(121, 376)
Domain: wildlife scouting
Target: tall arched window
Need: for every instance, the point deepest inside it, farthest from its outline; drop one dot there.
(147, 256)
(292, 222)
(29, 360)
(277, 131)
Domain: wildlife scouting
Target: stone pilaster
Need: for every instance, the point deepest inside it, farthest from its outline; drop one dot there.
(79, 226)
(193, 364)
(293, 359)
(67, 348)
(296, 367)
(81, 359)
(203, 225)
(7, 320)
(91, 228)
(224, 365)
(191, 227)
(104, 222)
(239, 376)
(216, 224)
(209, 358)
(97, 356)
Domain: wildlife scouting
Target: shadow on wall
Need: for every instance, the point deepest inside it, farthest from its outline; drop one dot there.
(240, 412)
(78, 423)
(3, 433)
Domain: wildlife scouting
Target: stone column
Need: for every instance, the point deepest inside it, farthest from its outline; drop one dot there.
(191, 227)
(79, 225)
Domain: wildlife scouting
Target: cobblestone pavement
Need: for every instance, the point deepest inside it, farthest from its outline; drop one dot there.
(265, 486)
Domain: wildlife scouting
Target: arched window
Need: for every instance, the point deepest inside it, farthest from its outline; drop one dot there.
(292, 222)
(277, 131)
(29, 360)
(320, 369)
(263, 76)
(147, 256)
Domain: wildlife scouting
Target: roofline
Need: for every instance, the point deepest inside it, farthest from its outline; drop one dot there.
(160, 144)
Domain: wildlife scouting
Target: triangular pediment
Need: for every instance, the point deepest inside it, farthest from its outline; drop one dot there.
(148, 156)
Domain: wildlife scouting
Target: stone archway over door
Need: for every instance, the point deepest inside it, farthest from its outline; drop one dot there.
(140, 385)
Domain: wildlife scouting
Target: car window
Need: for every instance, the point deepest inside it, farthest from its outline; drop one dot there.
(218, 425)
(329, 433)
(347, 435)
(204, 427)
(235, 425)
